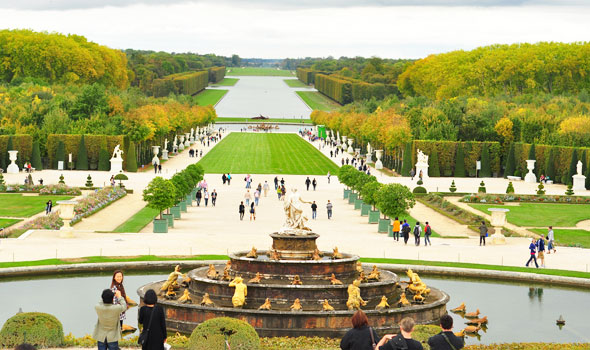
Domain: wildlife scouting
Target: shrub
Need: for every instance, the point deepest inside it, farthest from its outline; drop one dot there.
(60, 155)
(433, 167)
(510, 188)
(61, 179)
(485, 171)
(541, 189)
(510, 162)
(482, 187)
(549, 165)
(131, 158)
(420, 182)
(419, 189)
(569, 191)
(36, 157)
(453, 187)
(209, 335)
(82, 161)
(572, 171)
(89, 181)
(121, 177)
(103, 156)
(39, 329)
(407, 161)
(460, 161)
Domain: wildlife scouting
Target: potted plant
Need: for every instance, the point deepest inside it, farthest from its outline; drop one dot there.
(181, 190)
(370, 191)
(361, 180)
(393, 200)
(160, 194)
(344, 175)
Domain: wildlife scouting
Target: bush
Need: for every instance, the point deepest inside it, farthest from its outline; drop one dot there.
(60, 155)
(419, 189)
(61, 179)
(89, 181)
(39, 329)
(460, 161)
(407, 161)
(420, 182)
(510, 162)
(569, 191)
(36, 157)
(131, 158)
(482, 187)
(208, 335)
(453, 187)
(486, 170)
(572, 171)
(433, 168)
(82, 161)
(510, 188)
(541, 189)
(103, 156)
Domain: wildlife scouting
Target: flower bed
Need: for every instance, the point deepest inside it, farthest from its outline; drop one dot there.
(59, 189)
(48, 222)
(501, 198)
(96, 201)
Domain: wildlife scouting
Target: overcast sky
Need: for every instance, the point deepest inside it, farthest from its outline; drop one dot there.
(301, 28)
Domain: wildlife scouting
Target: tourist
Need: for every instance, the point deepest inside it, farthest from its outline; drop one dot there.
(159, 168)
(152, 317)
(542, 179)
(541, 250)
(361, 336)
(201, 153)
(483, 232)
(117, 285)
(112, 180)
(314, 183)
(283, 192)
(446, 339)
(551, 240)
(228, 179)
(107, 331)
(48, 207)
(224, 178)
(417, 230)
(412, 173)
(406, 231)
(279, 192)
(265, 188)
(420, 175)
(247, 197)
(199, 196)
(329, 208)
(256, 196)
(403, 340)
(206, 196)
(307, 183)
(533, 250)
(242, 210)
(41, 182)
(427, 233)
(276, 180)
(331, 153)
(248, 180)
(395, 229)
(347, 161)
(329, 177)
(252, 212)
(314, 210)
(213, 197)
(282, 182)
(155, 167)
(203, 184)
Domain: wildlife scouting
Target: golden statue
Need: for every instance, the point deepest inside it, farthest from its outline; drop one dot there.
(362, 278)
(403, 301)
(460, 334)
(472, 314)
(296, 305)
(226, 276)
(296, 281)
(185, 280)
(415, 285)
(418, 298)
(471, 329)
(239, 298)
(274, 255)
(252, 254)
(316, 255)
(336, 254)
(459, 309)
(172, 279)
(212, 273)
(266, 305)
(359, 267)
(326, 306)
(383, 304)
(207, 301)
(227, 266)
(256, 279)
(375, 274)
(354, 296)
(333, 280)
(125, 328)
(170, 294)
(185, 298)
(478, 321)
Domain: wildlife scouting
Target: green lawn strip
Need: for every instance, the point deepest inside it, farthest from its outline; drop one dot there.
(226, 82)
(257, 71)
(5, 223)
(106, 259)
(541, 214)
(569, 238)
(138, 221)
(552, 272)
(17, 205)
(243, 153)
(209, 97)
(296, 83)
(270, 120)
(317, 101)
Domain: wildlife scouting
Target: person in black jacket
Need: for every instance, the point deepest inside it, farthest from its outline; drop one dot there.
(242, 210)
(445, 340)
(403, 340)
(199, 196)
(157, 328)
(361, 336)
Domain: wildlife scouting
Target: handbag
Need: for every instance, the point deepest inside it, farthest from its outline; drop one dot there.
(144, 334)
(373, 344)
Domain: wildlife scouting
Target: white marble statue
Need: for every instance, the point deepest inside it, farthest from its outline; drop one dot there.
(369, 150)
(295, 220)
(579, 167)
(117, 152)
(166, 144)
(422, 158)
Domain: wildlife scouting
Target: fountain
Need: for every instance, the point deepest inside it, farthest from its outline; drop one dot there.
(296, 290)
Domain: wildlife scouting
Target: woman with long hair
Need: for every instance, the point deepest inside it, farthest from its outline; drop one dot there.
(361, 336)
(151, 317)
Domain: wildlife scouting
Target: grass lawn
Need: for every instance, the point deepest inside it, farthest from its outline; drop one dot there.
(271, 72)
(317, 101)
(226, 82)
(243, 153)
(296, 83)
(270, 120)
(563, 237)
(4, 223)
(15, 204)
(138, 221)
(209, 97)
(542, 214)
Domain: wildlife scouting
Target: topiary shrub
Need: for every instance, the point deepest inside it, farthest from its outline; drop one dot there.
(419, 189)
(89, 181)
(82, 160)
(60, 154)
(541, 189)
(103, 156)
(36, 157)
(420, 182)
(453, 187)
(121, 177)
(569, 191)
(460, 161)
(210, 335)
(482, 187)
(510, 188)
(37, 328)
(61, 179)
(2, 184)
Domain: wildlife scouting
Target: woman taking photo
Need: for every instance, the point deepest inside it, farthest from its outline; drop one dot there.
(151, 317)
(361, 336)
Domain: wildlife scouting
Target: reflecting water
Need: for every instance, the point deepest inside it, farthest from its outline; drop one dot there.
(250, 127)
(517, 312)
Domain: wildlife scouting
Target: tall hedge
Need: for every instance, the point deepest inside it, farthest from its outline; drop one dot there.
(510, 162)
(82, 160)
(433, 167)
(21, 143)
(72, 145)
(485, 171)
(36, 157)
(407, 161)
(186, 83)
(337, 89)
(549, 165)
(216, 74)
(9, 147)
(60, 154)
(572, 171)
(131, 158)
(459, 161)
(103, 156)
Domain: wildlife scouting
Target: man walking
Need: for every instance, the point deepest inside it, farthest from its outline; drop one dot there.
(427, 233)
(329, 177)
(329, 208)
(242, 210)
(265, 187)
(247, 197)
(107, 331)
(533, 249)
(412, 173)
(417, 230)
(406, 231)
(483, 232)
(307, 183)
(395, 229)
(256, 196)
(314, 183)
(206, 197)
(199, 196)
(213, 197)
(446, 339)
(276, 182)
(541, 250)
(551, 240)
(314, 210)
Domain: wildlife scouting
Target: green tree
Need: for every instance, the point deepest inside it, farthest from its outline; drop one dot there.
(407, 161)
(92, 101)
(486, 170)
(394, 200)
(361, 180)
(345, 174)
(433, 166)
(103, 156)
(131, 158)
(60, 154)
(370, 191)
(572, 171)
(160, 194)
(82, 161)
(510, 162)
(36, 157)
(550, 165)
(460, 161)
(182, 187)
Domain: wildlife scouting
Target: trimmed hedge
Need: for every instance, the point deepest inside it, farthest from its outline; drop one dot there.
(72, 145)
(209, 335)
(186, 83)
(306, 75)
(216, 74)
(36, 328)
(337, 89)
(345, 90)
(36, 157)
(131, 158)
(82, 161)
(562, 157)
(22, 143)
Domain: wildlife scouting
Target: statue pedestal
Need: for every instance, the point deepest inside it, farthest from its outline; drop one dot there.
(294, 246)
(116, 165)
(579, 182)
(424, 168)
(164, 154)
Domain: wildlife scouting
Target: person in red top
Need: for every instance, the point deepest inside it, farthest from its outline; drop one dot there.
(427, 233)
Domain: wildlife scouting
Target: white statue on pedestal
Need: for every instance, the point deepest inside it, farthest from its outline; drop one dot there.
(579, 167)
(422, 165)
(117, 160)
(369, 152)
(295, 220)
(117, 152)
(579, 179)
(422, 158)
(165, 149)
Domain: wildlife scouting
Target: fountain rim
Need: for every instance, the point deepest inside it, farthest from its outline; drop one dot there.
(241, 255)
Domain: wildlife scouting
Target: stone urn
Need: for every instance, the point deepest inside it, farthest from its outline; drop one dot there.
(187, 142)
(530, 177)
(357, 151)
(66, 213)
(378, 155)
(498, 220)
(12, 167)
(344, 138)
(350, 149)
(156, 150)
(181, 144)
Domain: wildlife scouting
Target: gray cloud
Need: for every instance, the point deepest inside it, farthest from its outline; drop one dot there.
(42, 5)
